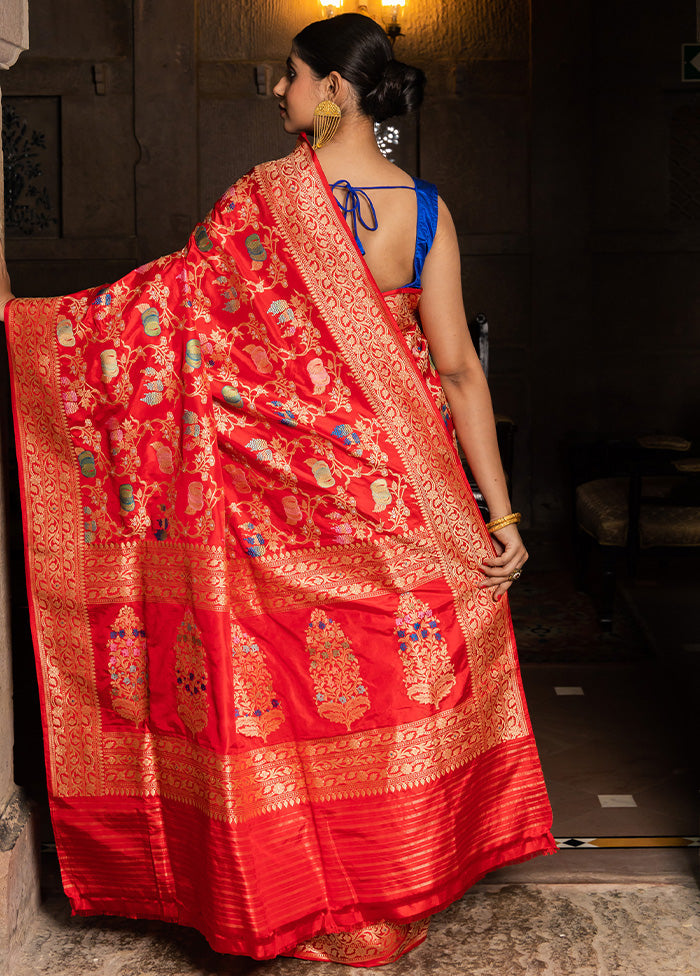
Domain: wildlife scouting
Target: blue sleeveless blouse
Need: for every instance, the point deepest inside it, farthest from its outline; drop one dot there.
(426, 222)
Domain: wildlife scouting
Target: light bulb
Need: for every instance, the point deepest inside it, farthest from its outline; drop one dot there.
(393, 9)
(331, 7)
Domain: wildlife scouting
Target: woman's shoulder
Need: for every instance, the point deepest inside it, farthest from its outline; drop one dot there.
(445, 238)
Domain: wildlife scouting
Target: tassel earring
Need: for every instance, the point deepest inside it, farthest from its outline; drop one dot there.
(326, 122)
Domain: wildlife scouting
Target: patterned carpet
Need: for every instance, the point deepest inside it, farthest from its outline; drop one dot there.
(556, 624)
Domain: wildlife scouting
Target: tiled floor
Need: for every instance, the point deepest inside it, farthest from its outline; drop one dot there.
(618, 739)
(604, 731)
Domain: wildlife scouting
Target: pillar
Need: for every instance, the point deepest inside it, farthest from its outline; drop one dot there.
(19, 861)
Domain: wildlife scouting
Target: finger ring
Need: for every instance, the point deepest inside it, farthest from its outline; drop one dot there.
(515, 575)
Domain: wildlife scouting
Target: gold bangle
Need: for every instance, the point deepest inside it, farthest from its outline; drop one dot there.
(500, 523)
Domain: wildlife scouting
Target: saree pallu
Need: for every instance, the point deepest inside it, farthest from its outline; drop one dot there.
(276, 705)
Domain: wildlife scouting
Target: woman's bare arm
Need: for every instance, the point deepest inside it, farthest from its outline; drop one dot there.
(445, 326)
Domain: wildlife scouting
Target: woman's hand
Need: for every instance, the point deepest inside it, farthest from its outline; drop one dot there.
(511, 556)
(5, 287)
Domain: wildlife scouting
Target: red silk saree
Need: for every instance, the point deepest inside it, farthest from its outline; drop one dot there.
(276, 706)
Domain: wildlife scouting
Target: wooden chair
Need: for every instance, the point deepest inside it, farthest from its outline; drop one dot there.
(649, 499)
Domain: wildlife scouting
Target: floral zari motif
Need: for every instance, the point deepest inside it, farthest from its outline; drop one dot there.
(340, 694)
(191, 675)
(376, 944)
(128, 667)
(428, 671)
(257, 707)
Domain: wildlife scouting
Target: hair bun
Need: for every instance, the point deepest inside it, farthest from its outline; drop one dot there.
(400, 90)
(358, 49)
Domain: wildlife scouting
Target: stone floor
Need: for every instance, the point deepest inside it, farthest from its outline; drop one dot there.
(495, 930)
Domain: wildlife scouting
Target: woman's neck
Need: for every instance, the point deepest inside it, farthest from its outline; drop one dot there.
(353, 150)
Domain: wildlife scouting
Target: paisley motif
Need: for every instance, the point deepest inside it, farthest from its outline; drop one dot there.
(191, 675)
(322, 473)
(427, 667)
(128, 666)
(193, 355)
(110, 365)
(64, 333)
(349, 437)
(281, 310)
(253, 542)
(319, 375)
(256, 251)
(150, 320)
(202, 239)
(257, 707)
(260, 358)
(195, 498)
(291, 508)
(380, 494)
(335, 671)
(127, 501)
(86, 460)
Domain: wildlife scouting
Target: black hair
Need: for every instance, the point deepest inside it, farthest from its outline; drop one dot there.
(359, 50)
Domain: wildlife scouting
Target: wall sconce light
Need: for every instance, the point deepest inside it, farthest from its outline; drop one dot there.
(390, 11)
(332, 8)
(393, 26)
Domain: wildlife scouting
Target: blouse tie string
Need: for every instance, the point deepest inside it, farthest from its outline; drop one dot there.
(351, 207)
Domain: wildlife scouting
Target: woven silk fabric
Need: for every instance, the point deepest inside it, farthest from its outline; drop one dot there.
(276, 706)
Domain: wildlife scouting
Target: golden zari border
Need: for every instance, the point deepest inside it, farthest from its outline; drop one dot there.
(49, 482)
(362, 326)
(125, 573)
(155, 571)
(235, 788)
(376, 944)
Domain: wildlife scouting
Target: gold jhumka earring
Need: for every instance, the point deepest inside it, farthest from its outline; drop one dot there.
(326, 122)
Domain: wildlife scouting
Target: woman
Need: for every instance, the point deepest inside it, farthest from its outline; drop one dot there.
(279, 686)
